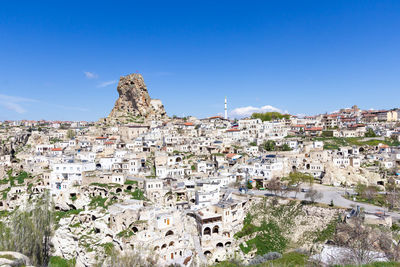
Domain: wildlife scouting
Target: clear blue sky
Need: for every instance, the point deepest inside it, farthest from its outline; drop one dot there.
(306, 57)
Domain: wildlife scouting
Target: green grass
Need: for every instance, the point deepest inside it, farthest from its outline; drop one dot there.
(76, 225)
(126, 233)
(4, 213)
(110, 185)
(138, 194)
(378, 200)
(108, 248)
(374, 264)
(56, 261)
(269, 238)
(58, 215)
(326, 233)
(5, 193)
(333, 143)
(98, 201)
(8, 257)
(289, 259)
(21, 177)
(129, 182)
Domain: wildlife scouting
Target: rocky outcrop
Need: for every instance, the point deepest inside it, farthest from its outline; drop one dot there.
(349, 175)
(134, 102)
(11, 258)
(9, 147)
(298, 224)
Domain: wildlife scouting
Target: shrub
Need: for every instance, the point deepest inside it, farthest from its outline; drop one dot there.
(328, 232)
(269, 116)
(138, 194)
(129, 182)
(29, 232)
(290, 259)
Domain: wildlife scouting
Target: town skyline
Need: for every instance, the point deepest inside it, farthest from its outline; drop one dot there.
(63, 61)
(199, 133)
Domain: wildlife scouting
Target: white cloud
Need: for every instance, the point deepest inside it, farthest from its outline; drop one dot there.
(247, 111)
(14, 103)
(107, 83)
(90, 75)
(301, 115)
(14, 107)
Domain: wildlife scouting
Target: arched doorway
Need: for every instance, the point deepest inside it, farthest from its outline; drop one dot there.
(215, 229)
(207, 231)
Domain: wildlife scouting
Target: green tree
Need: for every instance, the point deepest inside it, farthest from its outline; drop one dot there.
(31, 232)
(269, 116)
(269, 145)
(249, 185)
(70, 134)
(370, 133)
(313, 195)
(286, 147)
(360, 189)
(296, 179)
(327, 134)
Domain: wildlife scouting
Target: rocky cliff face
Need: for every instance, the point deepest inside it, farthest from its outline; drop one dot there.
(9, 147)
(134, 101)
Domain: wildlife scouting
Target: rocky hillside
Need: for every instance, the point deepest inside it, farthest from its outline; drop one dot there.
(280, 225)
(12, 144)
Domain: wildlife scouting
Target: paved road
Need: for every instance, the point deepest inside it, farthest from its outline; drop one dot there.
(335, 194)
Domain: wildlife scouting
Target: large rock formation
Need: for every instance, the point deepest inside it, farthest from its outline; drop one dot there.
(10, 146)
(134, 102)
(349, 176)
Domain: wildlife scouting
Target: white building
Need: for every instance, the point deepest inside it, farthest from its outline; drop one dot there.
(65, 175)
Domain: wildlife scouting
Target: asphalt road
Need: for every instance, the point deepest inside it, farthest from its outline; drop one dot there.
(336, 194)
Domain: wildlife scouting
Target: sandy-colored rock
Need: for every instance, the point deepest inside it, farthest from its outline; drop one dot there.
(134, 101)
(349, 175)
(11, 258)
